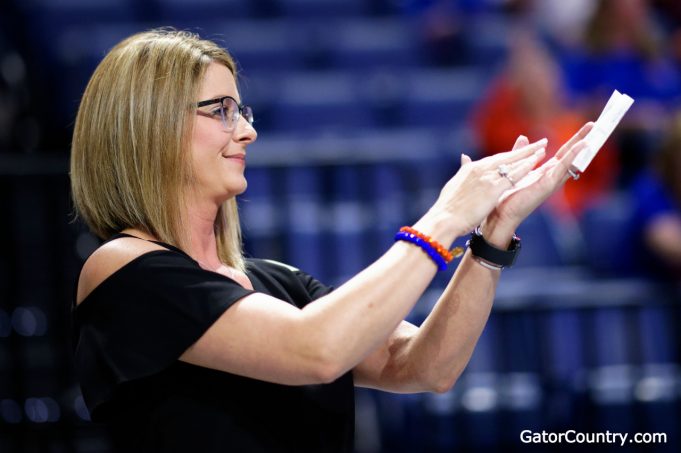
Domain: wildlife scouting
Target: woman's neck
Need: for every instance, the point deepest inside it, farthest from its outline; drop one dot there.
(203, 245)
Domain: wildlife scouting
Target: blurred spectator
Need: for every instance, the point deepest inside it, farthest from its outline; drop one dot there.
(624, 48)
(529, 98)
(655, 231)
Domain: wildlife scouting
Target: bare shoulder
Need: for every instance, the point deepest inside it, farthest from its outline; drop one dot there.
(108, 259)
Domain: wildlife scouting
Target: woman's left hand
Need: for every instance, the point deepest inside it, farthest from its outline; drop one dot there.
(518, 202)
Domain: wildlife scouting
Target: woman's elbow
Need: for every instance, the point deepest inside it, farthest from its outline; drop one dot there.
(327, 373)
(441, 383)
(325, 353)
(326, 363)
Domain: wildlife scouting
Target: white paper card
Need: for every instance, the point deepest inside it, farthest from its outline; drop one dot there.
(612, 114)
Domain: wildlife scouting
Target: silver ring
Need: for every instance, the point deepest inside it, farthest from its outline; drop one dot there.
(503, 170)
(574, 175)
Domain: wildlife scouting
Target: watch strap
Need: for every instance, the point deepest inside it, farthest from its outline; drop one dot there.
(491, 254)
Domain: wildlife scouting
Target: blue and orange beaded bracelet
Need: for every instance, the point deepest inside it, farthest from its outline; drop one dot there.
(436, 251)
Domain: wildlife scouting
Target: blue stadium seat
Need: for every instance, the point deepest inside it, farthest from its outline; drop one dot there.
(304, 232)
(366, 44)
(196, 11)
(318, 9)
(259, 46)
(540, 241)
(261, 214)
(58, 15)
(603, 227)
(387, 201)
(489, 40)
(323, 101)
(659, 338)
(565, 347)
(441, 98)
(63, 35)
(348, 223)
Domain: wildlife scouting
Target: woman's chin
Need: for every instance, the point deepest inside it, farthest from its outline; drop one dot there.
(242, 187)
(233, 191)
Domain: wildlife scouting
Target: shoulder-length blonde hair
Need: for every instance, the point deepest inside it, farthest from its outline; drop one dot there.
(129, 156)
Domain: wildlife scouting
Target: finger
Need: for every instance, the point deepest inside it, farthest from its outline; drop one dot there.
(560, 170)
(575, 138)
(465, 159)
(529, 179)
(520, 142)
(522, 168)
(509, 157)
(548, 165)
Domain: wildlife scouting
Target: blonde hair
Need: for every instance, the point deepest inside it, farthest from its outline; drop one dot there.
(129, 156)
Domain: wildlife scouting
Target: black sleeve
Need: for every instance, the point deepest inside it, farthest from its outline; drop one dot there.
(314, 287)
(288, 283)
(143, 317)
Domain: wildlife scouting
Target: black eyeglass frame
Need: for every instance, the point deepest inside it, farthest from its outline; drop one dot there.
(221, 100)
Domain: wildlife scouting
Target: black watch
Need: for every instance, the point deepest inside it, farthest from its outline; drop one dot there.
(492, 255)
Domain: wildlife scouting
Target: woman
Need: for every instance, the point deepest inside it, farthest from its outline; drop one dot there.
(182, 344)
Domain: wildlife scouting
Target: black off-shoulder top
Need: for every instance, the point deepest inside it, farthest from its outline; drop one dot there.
(130, 332)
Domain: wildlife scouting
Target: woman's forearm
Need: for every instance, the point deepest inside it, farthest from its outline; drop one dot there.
(440, 349)
(361, 314)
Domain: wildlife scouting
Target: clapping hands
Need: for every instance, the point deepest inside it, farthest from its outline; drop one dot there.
(537, 185)
(476, 188)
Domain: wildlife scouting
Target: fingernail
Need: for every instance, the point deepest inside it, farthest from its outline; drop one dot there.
(543, 140)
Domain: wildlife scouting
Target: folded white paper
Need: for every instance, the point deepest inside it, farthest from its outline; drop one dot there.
(614, 110)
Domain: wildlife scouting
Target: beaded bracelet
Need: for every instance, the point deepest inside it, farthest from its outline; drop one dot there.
(439, 248)
(425, 245)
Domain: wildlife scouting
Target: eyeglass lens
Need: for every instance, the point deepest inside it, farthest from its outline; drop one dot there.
(230, 113)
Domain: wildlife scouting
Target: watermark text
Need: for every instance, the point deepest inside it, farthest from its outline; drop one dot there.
(572, 436)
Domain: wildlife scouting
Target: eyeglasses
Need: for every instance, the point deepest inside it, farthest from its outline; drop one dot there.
(228, 111)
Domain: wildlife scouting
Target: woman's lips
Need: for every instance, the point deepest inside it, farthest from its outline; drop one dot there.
(238, 157)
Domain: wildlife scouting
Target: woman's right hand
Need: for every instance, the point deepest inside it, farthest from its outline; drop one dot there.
(475, 189)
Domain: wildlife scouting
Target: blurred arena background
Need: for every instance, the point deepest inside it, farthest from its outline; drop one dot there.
(363, 108)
